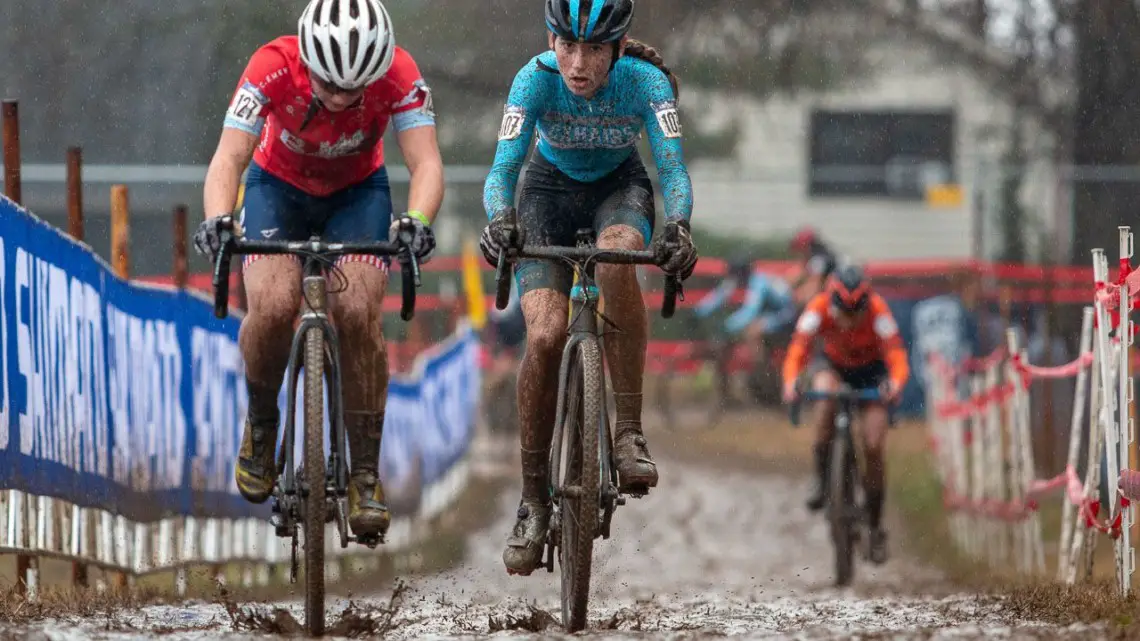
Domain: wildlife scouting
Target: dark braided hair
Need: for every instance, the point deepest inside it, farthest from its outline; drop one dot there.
(639, 49)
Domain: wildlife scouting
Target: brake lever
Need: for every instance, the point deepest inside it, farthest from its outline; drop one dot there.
(415, 264)
(405, 238)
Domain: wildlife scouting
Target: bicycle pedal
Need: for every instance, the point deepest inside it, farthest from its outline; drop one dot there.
(370, 540)
(635, 491)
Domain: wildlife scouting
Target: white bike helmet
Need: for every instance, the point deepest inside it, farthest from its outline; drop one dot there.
(347, 43)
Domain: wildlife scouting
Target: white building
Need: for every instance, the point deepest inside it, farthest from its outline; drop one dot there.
(767, 189)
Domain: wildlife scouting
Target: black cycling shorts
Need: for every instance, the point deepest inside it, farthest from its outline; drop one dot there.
(554, 206)
(866, 376)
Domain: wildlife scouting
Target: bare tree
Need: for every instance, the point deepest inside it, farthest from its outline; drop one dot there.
(1106, 121)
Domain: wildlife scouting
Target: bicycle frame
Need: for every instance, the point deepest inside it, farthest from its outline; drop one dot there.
(322, 495)
(846, 399)
(583, 326)
(584, 314)
(592, 501)
(314, 315)
(844, 474)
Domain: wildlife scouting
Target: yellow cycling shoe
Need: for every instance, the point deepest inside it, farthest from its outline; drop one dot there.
(367, 513)
(256, 469)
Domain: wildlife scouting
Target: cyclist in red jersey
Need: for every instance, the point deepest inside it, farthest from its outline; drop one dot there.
(816, 261)
(310, 112)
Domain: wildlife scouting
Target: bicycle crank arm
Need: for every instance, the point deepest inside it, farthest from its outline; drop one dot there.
(370, 540)
(611, 494)
(549, 564)
(293, 569)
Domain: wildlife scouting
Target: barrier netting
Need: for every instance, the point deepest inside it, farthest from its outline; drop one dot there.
(982, 440)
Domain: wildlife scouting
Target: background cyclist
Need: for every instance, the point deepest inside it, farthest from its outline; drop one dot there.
(767, 308)
(503, 336)
(816, 262)
(589, 98)
(319, 103)
(861, 347)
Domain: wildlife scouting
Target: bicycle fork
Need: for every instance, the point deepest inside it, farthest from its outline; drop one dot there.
(286, 502)
(583, 328)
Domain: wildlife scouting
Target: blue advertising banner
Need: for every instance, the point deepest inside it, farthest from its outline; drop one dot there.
(131, 398)
(117, 396)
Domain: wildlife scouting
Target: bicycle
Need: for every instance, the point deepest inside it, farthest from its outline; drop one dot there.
(320, 496)
(845, 517)
(583, 475)
(763, 380)
(500, 409)
(714, 348)
(704, 351)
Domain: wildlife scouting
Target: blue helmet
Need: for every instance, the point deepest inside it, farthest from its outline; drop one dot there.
(593, 21)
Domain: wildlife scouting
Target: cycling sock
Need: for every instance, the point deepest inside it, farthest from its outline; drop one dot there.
(874, 508)
(364, 431)
(262, 403)
(628, 412)
(536, 481)
(822, 459)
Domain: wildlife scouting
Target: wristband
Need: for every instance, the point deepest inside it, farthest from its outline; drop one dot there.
(419, 215)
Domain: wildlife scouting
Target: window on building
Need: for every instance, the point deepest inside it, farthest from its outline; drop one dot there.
(880, 154)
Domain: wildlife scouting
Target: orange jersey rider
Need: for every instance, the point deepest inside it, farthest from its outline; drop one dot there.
(862, 348)
(860, 338)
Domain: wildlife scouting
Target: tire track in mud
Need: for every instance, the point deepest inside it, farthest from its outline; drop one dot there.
(712, 553)
(708, 553)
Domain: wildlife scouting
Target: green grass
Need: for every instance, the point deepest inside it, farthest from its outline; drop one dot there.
(916, 496)
(915, 492)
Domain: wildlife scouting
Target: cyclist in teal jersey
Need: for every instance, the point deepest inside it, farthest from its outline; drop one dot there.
(588, 99)
(768, 306)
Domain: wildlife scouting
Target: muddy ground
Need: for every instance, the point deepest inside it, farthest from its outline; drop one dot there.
(716, 550)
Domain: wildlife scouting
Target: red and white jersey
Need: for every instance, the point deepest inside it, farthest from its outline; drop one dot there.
(334, 150)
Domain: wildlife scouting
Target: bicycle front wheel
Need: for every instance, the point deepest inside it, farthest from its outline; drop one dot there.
(581, 482)
(841, 498)
(313, 460)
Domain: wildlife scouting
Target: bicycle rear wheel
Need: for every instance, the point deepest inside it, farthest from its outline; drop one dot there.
(841, 498)
(313, 461)
(579, 507)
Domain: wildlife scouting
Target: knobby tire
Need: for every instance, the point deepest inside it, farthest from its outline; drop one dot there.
(580, 515)
(840, 499)
(314, 479)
